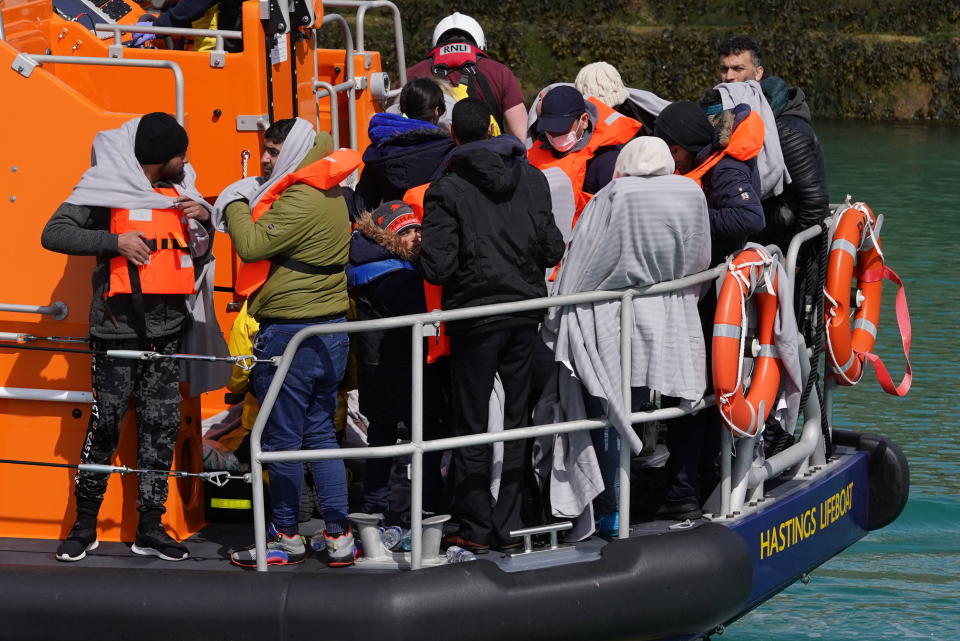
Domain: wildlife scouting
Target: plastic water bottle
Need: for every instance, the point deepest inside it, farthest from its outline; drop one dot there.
(391, 537)
(405, 542)
(459, 555)
(317, 542)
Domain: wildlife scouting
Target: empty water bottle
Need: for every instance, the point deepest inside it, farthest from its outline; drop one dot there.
(391, 537)
(317, 542)
(459, 555)
(406, 542)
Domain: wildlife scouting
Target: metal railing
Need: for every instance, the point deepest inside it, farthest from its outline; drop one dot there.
(55, 310)
(25, 63)
(322, 88)
(417, 447)
(362, 6)
(217, 59)
(736, 481)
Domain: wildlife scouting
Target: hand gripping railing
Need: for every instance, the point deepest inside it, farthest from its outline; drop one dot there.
(216, 56)
(417, 447)
(25, 63)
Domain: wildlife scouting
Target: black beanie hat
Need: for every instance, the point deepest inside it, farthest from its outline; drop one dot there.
(159, 138)
(684, 123)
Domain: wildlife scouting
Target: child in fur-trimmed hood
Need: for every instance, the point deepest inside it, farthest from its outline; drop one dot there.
(384, 282)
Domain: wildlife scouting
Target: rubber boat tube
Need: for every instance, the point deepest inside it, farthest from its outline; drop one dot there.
(888, 471)
(680, 583)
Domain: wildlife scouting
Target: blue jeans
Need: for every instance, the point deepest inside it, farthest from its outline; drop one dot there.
(302, 419)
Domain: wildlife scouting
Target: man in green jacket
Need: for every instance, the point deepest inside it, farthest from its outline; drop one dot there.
(298, 222)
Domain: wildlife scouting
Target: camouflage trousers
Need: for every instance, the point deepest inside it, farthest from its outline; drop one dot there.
(155, 387)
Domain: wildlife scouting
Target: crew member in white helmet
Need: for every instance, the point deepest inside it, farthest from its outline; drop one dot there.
(459, 55)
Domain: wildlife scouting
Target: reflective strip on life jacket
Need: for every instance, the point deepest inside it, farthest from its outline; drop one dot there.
(746, 141)
(170, 270)
(610, 128)
(325, 173)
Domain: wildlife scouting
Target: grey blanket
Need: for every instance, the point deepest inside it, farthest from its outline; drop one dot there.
(773, 171)
(116, 180)
(636, 231)
(294, 149)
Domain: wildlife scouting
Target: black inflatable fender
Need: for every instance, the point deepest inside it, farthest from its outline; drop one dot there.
(680, 583)
(888, 471)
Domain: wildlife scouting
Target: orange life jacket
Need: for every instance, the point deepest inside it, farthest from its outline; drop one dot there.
(610, 128)
(170, 270)
(746, 141)
(437, 346)
(325, 173)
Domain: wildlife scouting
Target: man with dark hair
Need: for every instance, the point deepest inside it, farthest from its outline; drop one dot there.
(138, 212)
(459, 55)
(468, 125)
(739, 60)
(488, 236)
(290, 228)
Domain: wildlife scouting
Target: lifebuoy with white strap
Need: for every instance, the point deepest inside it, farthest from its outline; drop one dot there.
(751, 275)
(855, 252)
(854, 246)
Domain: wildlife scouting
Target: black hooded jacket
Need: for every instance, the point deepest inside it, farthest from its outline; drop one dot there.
(488, 230)
(397, 163)
(804, 202)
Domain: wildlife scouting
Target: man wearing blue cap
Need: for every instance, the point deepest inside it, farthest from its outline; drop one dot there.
(582, 138)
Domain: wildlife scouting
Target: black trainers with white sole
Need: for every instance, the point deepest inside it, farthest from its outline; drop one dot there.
(153, 541)
(77, 544)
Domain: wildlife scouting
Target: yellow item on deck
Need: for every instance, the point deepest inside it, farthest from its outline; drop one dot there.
(206, 21)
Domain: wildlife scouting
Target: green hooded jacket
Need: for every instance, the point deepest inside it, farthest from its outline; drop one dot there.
(308, 224)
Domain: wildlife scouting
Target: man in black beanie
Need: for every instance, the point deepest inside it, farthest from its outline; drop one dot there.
(137, 211)
(701, 149)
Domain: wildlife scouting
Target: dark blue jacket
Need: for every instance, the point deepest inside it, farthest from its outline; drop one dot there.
(383, 284)
(732, 189)
(403, 153)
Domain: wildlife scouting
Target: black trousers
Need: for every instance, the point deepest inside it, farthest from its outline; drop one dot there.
(156, 387)
(474, 361)
(694, 440)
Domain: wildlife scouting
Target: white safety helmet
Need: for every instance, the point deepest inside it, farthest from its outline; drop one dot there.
(460, 22)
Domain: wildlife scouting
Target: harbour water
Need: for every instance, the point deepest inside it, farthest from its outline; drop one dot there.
(902, 582)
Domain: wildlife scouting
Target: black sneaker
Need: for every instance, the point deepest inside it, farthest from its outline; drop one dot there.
(154, 541)
(80, 541)
(677, 512)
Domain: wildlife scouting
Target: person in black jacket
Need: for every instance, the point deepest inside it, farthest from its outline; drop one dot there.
(185, 12)
(488, 236)
(405, 150)
(804, 202)
(384, 282)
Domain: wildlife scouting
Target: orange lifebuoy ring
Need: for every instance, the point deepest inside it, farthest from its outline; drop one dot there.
(854, 251)
(748, 278)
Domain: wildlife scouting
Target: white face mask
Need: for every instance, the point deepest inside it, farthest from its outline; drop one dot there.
(566, 141)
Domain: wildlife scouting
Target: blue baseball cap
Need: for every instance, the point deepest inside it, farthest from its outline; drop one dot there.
(560, 107)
